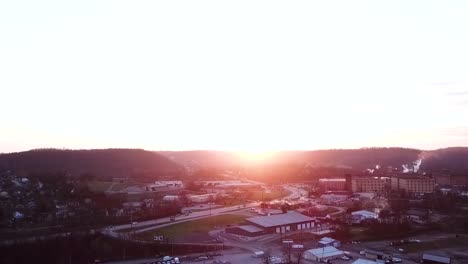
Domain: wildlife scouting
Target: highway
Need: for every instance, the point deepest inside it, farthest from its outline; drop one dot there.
(143, 226)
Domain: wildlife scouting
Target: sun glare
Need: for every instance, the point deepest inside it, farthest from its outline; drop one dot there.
(255, 156)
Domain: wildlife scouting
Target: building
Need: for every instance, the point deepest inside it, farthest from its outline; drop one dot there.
(164, 186)
(170, 198)
(202, 198)
(246, 230)
(377, 255)
(332, 199)
(446, 178)
(369, 184)
(428, 258)
(364, 261)
(358, 217)
(282, 223)
(417, 215)
(329, 242)
(323, 254)
(413, 184)
(332, 184)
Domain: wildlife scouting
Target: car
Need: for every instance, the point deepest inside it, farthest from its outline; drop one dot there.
(344, 258)
(396, 260)
(401, 250)
(362, 252)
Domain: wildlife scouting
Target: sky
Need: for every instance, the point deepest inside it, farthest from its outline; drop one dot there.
(233, 75)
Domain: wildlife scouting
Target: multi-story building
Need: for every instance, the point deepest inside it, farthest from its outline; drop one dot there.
(369, 184)
(332, 184)
(413, 184)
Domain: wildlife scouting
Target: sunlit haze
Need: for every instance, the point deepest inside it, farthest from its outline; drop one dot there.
(248, 76)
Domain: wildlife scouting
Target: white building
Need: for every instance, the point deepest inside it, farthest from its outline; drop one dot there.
(358, 216)
(325, 253)
(328, 241)
(170, 198)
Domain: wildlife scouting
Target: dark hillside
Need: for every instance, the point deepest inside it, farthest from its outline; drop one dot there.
(102, 163)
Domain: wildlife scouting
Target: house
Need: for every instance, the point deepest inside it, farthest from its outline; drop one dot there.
(328, 241)
(324, 253)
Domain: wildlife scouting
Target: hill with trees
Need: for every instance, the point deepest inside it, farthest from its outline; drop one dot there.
(100, 163)
(454, 160)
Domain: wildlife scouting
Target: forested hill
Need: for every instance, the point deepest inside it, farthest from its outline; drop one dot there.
(454, 160)
(102, 163)
(354, 158)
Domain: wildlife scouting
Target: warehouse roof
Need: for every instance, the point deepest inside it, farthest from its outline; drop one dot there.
(250, 228)
(280, 219)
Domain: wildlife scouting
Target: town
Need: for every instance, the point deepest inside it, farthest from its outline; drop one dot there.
(402, 217)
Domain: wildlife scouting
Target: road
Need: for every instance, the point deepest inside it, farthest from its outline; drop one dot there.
(143, 226)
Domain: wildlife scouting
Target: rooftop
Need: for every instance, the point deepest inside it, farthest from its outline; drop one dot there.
(250, 228)
(280, 219)
(325, 252)
(332, 180)
(365, 213)
(327, 240)
(364, 261)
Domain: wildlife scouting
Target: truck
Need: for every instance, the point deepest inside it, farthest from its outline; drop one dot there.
(258, 254)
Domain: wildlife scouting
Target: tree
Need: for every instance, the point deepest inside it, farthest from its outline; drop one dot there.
(299, 254)
(266, 257)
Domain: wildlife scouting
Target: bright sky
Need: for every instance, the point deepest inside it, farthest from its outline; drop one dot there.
(233, 75)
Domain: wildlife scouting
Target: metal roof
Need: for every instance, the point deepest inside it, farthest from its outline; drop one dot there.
(280, 219)
(325, 252)
(326, 240)
(365, 213)
(250, 228)
(364, 261)
(432, 257)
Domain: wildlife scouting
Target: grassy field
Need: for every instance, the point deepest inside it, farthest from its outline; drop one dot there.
(193, 231)
(264, 196)
(99, 186)
(453, 242)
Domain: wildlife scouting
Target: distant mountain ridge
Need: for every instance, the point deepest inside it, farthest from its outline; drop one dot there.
(138, 163)
(102, 163)
(451, 159)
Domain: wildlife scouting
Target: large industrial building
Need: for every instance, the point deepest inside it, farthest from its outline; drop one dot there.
(369, 184)
(282, 223)
(413, 184)
(338, 184)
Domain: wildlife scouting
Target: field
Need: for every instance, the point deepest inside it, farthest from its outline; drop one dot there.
(193, 231)
(99, 186)
(264, 196)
